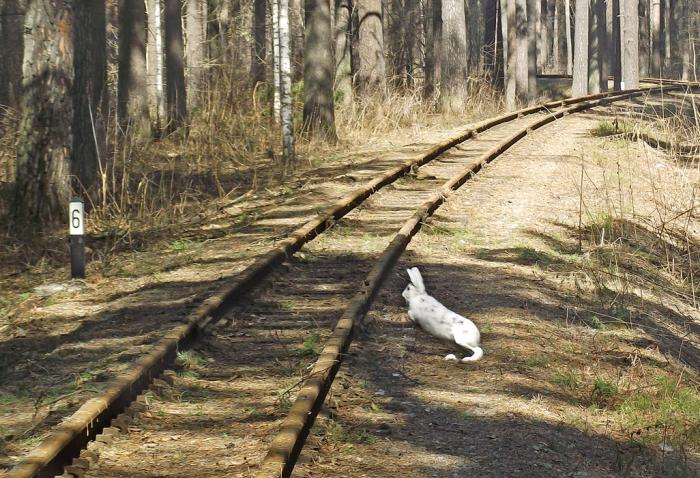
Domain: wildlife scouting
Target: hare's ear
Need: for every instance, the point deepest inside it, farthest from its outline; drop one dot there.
(416, 279)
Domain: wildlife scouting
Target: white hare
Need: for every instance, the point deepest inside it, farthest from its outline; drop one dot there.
(438, 320)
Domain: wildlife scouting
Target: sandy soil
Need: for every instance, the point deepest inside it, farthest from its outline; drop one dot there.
(505, 253)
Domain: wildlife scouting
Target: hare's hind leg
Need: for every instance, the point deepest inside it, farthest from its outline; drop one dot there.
(464, 339)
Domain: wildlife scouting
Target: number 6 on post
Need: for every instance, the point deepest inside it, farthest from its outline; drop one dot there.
(76, 221)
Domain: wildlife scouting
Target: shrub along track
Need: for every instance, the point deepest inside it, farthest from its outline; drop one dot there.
(260, 347)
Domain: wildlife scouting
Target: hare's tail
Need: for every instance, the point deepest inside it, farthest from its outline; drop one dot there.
(478, 353)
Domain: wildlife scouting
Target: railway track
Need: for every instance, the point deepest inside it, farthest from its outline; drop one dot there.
(259, 348)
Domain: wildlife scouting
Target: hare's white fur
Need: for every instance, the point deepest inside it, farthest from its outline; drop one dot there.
(438, 320)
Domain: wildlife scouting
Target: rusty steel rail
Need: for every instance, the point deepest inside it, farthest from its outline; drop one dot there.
(287, 444)
(68, 438)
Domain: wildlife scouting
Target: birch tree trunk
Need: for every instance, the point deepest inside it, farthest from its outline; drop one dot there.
(175, 65)
(154, 60)
(371, 72)
(286, 83)
(195, 53)
(319, 115)
(656, 39)
(132, 91)
(630, 36)
(45, 131)
(569, 45)
(580, 83)
(257, 66)
(343, 59)
(276, 61)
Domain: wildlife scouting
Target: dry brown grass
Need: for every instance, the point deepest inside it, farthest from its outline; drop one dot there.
(640, 239)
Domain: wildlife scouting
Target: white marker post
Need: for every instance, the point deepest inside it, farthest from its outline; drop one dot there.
(76, 220)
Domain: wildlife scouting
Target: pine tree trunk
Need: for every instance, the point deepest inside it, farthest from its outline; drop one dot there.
(454, 55)
(296, 22)
(433, 55)
(286, 84)
(616, 47)
(510, 53)
(258, 67)
(195, 53)
(597, 48)
(603, 45)
(132, 93)
(371, 72)
(532, 57)
(522, 64)
(644, 57)
(89, 66)
(667, 31)
(45, 132)
(175, 65)
(11, 27)
(580, 83)
(490, 39)
(154, 61)
(343, 54)
(319, 117)
(556, 38)
(630, 52)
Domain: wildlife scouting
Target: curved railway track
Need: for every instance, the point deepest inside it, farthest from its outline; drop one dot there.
(263, 342)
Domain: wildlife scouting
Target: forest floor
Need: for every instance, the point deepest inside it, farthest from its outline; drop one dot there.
(589, 329)
(61, 342)
(584, 375)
